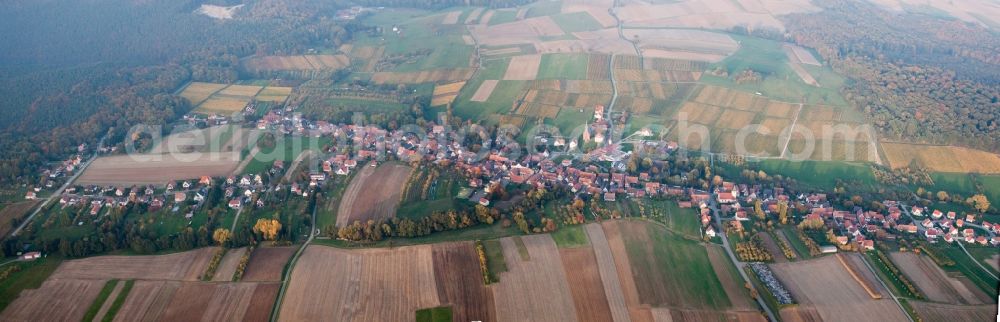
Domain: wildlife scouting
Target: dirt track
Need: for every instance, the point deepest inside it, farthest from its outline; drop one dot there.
(387, 180)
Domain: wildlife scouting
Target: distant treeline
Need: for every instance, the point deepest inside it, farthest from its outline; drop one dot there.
(917, 77)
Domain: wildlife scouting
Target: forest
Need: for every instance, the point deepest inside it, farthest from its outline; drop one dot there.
(916, 77)
(89, 66)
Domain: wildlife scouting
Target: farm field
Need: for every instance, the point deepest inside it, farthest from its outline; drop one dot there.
(211, 98)
(150, 169)
(825, 285)
(329, 282)
(222, 138)
(11, 211)
(935, 283)
(957, 313)
(360, 205)
(165, 287)
(535, 288)
(523, 67)
(980, 12)
(297, 63)
(267, 264)
(446, 93)
(942, 158)
(227, 266)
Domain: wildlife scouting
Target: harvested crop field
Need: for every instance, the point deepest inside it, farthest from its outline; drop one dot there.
(193, 301)
(274, 94)
(158, 169)
(267, 263)
(533, 289)
(694, 41)
(525, 31)
(624, 270)
(934, 283)
(437, 75)
(954, 313)
(800, 313)
(358, 204)
(772, 247)
(445, 94)
(596, 9)
(297, 63)
(822, 283)
(241, 90)
(14, 210)
(460, 282)
(329, 282)
(523, 67)
(227, 266)
(604, 258)
(197, 92)
(185, 266)
(585, 284)
(223, 105)
(55, 300)
(941, 158)
(711, 14)
(485, 90)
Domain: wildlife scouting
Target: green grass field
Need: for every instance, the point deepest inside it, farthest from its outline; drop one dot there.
(503, 16)
(780, 81)
(683, 221)
(570, 236)
(570, 119)
(437, 314)
(576, 21)
(676, 266)
(366, 105)
(286, 148)
(818, 174)
(419, 31)
(119, 301)
(543, 8)
(563, 66)
(968, 267)
(793, 240)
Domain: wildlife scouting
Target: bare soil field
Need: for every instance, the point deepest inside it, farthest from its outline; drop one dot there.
(451, 18)
(596, 9)
(800, 313)
(388, 179)
(485, 90)
(533, 289)
(942, 158)
(803, 74)
(14, 210)
(158, 169)
(329, 282)
(55, 300)
(682, 55)
(585, 46)
(297, 63)
(198, 92)
(933, 282)
(585, 284)
(437, 75)
(822, 283)
(274, 94)
(460, 283)
(637, 311)
(525, 31)
(227, 266)
(194, 301)
(523, 67)
(604, 258)
(956, 313)
(797, 54)
(185, 266)
(198, 140)
(267, 263)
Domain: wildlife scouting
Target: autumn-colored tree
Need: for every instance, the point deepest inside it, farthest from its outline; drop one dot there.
(757, 210)
(942, 195)
(268, 228)
(521, 222)
(221, 235)
(980, 201)
(783, 212)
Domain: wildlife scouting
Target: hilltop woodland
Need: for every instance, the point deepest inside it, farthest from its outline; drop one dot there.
(917, 78)
(92, 74)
